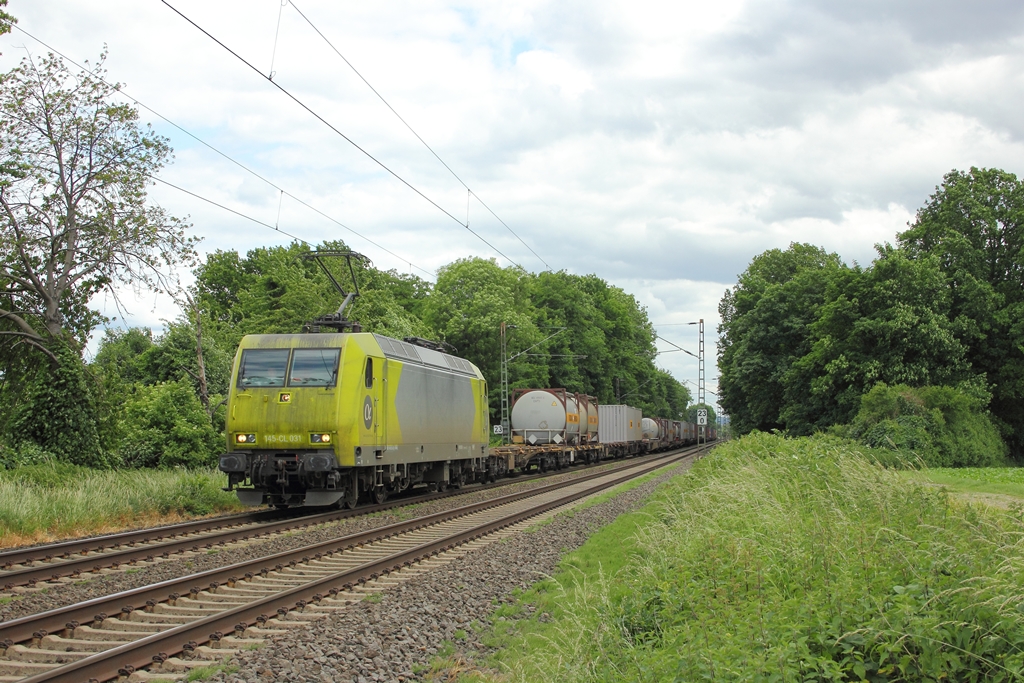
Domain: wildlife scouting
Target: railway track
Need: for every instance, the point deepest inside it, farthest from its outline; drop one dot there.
(217, 612)
(84, 558)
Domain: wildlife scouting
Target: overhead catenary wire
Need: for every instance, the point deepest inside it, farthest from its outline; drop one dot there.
(228, 208)
(349, 140)
(237, 163)
(411, 130)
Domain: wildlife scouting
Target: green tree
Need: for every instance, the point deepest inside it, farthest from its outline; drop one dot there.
(765, 329)
(973, 225)
(74, 167)
(135, 356)
(887, 323)
(6, 20)
(470, 301)
(804, 336)
(74, 221)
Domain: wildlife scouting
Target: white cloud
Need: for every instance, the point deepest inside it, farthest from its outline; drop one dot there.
(660, 145)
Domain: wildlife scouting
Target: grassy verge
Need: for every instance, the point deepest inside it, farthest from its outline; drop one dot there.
(786, 560)
(1001, 481)
(49, 502)
(617, 490)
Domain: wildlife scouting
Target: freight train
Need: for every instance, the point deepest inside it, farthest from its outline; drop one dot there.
(332, 419)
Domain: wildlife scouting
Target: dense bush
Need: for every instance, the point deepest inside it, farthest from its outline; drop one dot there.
(788, 560)
(59, 413)
(943, 426)
(165, 426)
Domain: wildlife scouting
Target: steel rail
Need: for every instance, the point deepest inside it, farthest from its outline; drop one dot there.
(125, 658)
(246, 526)
(28, 627)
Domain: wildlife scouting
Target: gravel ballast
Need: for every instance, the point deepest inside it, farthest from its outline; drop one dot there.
(15, 605)
(397, 637)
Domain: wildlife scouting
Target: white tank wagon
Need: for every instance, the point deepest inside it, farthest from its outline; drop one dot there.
(650, 429)
(544, 416)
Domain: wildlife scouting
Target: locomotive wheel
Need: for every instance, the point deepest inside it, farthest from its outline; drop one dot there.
(379, 495)
(351, 497)
(442, 486)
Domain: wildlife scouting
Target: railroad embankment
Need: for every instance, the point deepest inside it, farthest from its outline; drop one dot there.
(50, 502)
(776, 559)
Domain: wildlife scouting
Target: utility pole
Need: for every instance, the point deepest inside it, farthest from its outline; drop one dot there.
(504, 388)
(700, 375)
(702, 411)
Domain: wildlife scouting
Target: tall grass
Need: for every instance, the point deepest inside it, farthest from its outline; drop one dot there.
(45, 502)
(787, 560)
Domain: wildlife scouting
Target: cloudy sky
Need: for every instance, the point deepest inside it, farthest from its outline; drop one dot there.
(659, 145)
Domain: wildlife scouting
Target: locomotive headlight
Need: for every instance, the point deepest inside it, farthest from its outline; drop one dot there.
(245, 438)
(320, 438)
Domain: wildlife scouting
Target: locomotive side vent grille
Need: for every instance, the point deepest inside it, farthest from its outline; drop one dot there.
(458, 364)
(396, 348)
(409, 349)
(385, 345)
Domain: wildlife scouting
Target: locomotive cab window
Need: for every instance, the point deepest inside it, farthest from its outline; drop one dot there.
(314, 368)
(263, 368)
(369, 373)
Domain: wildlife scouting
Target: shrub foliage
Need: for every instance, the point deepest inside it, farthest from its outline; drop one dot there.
(793, 560)
(942, 426)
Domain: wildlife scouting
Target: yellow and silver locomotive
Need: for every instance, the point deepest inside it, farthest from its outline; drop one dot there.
(320, 419)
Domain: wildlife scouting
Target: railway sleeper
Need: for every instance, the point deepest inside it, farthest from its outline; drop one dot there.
(179, 609)
(179, 665)
(21, 653)
(150, 618)
(235, 644)
(212, 602)
(134, 629)
(143, 676)
(11, 670)
(247, 591)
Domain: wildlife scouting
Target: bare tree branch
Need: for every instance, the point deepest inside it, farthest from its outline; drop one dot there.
(74, 172)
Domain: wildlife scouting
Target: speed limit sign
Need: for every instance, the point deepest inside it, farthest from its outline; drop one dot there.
(702, 416)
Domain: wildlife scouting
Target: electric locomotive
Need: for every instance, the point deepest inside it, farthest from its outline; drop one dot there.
(322, 419)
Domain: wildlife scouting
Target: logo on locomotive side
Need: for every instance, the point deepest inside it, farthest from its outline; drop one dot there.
(368, 412)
